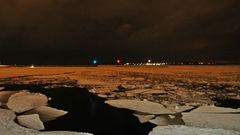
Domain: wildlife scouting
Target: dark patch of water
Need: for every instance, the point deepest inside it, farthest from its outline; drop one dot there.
(227, 102)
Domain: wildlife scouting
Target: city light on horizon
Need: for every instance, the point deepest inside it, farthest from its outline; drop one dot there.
(32, 66)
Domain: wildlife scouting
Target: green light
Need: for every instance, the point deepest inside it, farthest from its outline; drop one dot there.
(94, 62)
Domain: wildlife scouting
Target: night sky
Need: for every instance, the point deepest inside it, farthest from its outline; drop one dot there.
(75, 31)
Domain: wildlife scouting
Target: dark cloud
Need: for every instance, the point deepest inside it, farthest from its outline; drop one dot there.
(81, 29)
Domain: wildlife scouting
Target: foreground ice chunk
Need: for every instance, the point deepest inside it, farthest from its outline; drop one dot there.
(185, 130)
(25, 101)
(47, 113)
(31, 121)
(140, 106)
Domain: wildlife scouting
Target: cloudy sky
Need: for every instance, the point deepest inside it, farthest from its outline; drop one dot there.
(74, 31)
